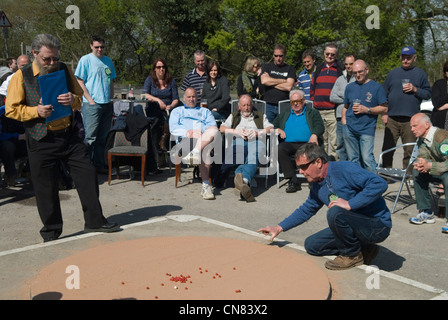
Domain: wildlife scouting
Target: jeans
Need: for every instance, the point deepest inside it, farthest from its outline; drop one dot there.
(346, 234)
(421, 188)
(245, 155)
(340, 148)
(360, 148)
(271, 112)
(97, 123)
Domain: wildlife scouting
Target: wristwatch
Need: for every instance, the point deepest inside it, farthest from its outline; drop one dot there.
(368, 110)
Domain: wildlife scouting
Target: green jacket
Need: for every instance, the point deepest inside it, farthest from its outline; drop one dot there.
(437, 153)
(313, 119)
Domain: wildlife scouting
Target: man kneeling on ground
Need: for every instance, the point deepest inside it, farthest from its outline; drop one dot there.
(358, 217)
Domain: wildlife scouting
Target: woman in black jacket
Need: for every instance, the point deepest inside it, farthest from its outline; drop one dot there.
(439, 96)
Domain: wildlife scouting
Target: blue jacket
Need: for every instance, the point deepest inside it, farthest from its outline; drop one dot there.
(362, 189)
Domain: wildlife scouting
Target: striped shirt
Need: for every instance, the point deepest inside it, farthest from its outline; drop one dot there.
(193, 79)
(304, 82)
(323, 83)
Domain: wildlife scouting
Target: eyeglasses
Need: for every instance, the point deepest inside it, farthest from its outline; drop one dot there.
(349, 64)
(47, 59)
(278, 55)
(160, 67)
(305, 166)
(296, 101)
(99, 47)
(330, 54)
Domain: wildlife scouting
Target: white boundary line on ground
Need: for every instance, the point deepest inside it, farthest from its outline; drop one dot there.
(441, 294)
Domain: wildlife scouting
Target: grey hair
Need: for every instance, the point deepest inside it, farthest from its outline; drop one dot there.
(295, 91)
(199, 53)
(45, 40)
(312, 152)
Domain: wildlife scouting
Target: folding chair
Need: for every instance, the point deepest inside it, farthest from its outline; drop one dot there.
(397, 174)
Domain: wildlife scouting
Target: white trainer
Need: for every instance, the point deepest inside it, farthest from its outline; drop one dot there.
(192, 158)
(207, 192)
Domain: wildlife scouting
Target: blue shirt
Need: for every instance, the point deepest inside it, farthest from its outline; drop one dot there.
(304, 82)
(167, 95)
(185, 118)
(5, 135)
(371, 95)
(362, 189)
(406, 104)
(97, 75)
(296, 128)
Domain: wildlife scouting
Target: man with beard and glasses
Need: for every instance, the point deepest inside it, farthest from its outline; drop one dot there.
(50, 142)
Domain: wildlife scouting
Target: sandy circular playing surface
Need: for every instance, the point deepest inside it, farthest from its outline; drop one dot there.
(193, 268)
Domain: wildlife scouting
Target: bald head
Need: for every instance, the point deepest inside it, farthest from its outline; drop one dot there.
(361, 71)
(22, 61)
(420, 125)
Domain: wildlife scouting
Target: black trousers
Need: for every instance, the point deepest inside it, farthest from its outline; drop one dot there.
(286, 151)
(43, 158)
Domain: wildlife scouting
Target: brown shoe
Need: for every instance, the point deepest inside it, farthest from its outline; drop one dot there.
(242, 188)
(369, 252)
(344, 262)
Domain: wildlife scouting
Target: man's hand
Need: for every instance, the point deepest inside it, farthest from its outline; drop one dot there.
(66, 99)
(281, 133)
(44, 111)
(195, 134)
(422, 165)
(340, 203)
(274, 231)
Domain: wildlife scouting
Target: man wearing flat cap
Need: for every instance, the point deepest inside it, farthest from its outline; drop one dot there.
(406, 87)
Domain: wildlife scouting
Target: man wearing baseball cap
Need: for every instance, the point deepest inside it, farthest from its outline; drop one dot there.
(406, 87)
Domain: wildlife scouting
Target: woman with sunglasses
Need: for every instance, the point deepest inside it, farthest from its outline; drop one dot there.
(160, 90)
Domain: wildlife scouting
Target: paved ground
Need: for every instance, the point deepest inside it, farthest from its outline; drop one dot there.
(412, 260)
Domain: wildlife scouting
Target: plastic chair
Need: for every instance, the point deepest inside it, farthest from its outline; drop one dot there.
(123, 148)
(397, 174)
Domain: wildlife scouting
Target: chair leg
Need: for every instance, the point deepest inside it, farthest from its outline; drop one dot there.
(117, 167)
(178, 169)
(109, 161)
(143, 169)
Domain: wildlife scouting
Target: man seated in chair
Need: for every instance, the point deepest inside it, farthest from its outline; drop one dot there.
(193, 122)
(248, 126)
(296, 127)
(430, 166)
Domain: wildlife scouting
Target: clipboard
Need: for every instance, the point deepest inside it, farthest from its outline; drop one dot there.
(51, 86)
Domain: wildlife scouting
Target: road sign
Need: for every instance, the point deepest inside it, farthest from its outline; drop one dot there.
(4, 21)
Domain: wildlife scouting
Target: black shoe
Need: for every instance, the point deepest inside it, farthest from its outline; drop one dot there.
(107, 227)
(50, 239)
(293, 187)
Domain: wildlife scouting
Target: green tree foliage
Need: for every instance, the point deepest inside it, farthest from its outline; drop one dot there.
(138, 31)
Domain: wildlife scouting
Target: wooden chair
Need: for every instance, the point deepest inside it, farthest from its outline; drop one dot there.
(123, 148)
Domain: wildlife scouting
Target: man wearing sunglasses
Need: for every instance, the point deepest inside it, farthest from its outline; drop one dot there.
(357, 215)
(278, 79)
(323, 81)
(49, 143)
(295, 127)
(95, 73)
